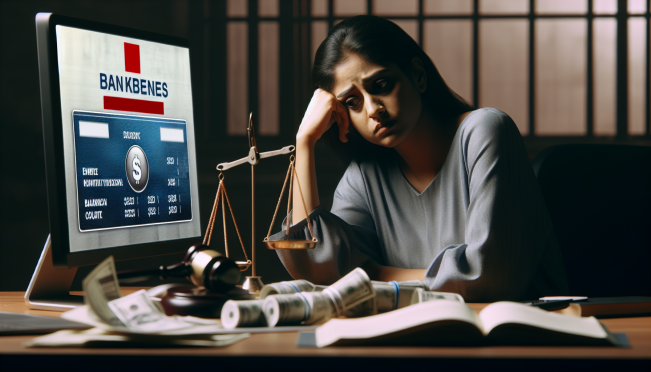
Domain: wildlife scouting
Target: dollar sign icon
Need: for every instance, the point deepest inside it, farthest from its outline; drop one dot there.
(137, 168)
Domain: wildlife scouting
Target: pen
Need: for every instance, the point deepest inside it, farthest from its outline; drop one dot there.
(550, 305)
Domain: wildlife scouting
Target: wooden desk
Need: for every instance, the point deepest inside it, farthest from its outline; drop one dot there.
(279, 350)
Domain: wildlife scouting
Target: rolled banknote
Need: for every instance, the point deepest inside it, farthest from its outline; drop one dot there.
(351, 290)
(242, 314)
(423, 296)
(388, 296)
(289, 287)
(414, 283)
(297, 308)
(320, 306)
(284, 309)
(101, 286)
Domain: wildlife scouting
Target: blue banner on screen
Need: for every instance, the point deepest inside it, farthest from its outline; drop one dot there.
(131, 170)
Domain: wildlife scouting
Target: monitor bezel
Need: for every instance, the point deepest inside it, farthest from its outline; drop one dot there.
(54, 150)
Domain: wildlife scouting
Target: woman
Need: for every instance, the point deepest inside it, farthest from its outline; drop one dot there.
(434, 190)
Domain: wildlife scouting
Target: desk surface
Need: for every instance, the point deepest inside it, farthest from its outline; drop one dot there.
(274, 345)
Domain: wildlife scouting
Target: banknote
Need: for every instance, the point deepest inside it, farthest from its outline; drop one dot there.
(414, 283)
(101, 286)
(242, 314)
(388, 296)
(320, 306)
(423, 296)
(288, 287)
(138, 312)
(284, 309)
(298, 308)
(352, 289)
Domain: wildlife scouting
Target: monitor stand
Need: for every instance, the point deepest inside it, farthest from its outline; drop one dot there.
(49, 288)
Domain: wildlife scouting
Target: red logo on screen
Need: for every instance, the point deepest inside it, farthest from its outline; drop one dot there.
(132, 58)
(133, 85)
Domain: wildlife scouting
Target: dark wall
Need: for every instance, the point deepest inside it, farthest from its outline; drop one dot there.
(24, 217)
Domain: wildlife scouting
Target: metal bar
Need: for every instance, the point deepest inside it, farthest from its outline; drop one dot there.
(308, 23)
(331, 16)
(648, 69)
(475, 53)
(286, 73)
(285, 150)
(225, 166)
(196, 36)
(267, 154)
(252, 82)
(253, 219)
(532, 71)
(590, 74)
(451, 16)
(622, 69)
(219, 71)
(420, 23)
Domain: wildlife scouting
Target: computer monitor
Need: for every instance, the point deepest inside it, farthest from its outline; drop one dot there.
(118, 132)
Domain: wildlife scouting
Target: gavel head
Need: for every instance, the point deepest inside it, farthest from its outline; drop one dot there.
(211, 269)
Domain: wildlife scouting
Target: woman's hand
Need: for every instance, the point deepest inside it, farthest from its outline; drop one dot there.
(321, 113)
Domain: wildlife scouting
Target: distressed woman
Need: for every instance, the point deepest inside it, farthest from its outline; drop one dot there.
(435, 190)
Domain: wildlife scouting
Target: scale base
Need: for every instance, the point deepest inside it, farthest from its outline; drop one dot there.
(49, 288)
(253, 284)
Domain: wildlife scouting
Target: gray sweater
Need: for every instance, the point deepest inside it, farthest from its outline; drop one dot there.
(481, 228)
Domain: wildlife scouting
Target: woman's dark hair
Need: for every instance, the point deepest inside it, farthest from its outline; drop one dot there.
(380, 41)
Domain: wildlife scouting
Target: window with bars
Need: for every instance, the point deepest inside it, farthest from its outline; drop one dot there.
(558, 67)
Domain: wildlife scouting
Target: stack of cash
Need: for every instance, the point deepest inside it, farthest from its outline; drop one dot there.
(132, 318)
(299, 302)
(397, 295)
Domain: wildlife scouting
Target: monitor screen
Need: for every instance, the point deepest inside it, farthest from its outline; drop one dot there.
(126, 139)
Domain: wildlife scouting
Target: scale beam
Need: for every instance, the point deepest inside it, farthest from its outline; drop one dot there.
(253, 158)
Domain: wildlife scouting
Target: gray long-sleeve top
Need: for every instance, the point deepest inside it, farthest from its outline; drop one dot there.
(481, 228)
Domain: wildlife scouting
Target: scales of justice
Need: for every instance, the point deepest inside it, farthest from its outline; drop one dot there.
(253, 283)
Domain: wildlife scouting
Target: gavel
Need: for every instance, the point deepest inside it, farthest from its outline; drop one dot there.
(202, 266)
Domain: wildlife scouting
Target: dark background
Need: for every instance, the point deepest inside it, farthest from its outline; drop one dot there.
(24, 217)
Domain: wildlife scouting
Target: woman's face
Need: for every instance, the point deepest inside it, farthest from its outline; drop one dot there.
(384, 104)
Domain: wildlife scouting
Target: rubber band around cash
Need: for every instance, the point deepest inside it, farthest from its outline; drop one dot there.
(292, 285)
(396, 288)
(307, 310)
(336, 300)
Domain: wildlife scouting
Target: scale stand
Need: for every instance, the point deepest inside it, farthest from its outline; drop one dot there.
(254, 283)
(49, 288)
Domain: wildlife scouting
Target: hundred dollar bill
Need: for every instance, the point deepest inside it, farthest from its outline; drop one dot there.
(288, 287)
(297, 308)
(352, 289)
(423, 296)
(242, 314)
(101, 286)
(138, 313)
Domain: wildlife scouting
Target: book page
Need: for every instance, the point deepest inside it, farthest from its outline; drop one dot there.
(513, 313)
(392, 322)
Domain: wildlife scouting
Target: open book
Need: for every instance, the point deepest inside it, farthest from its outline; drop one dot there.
(452, 323)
